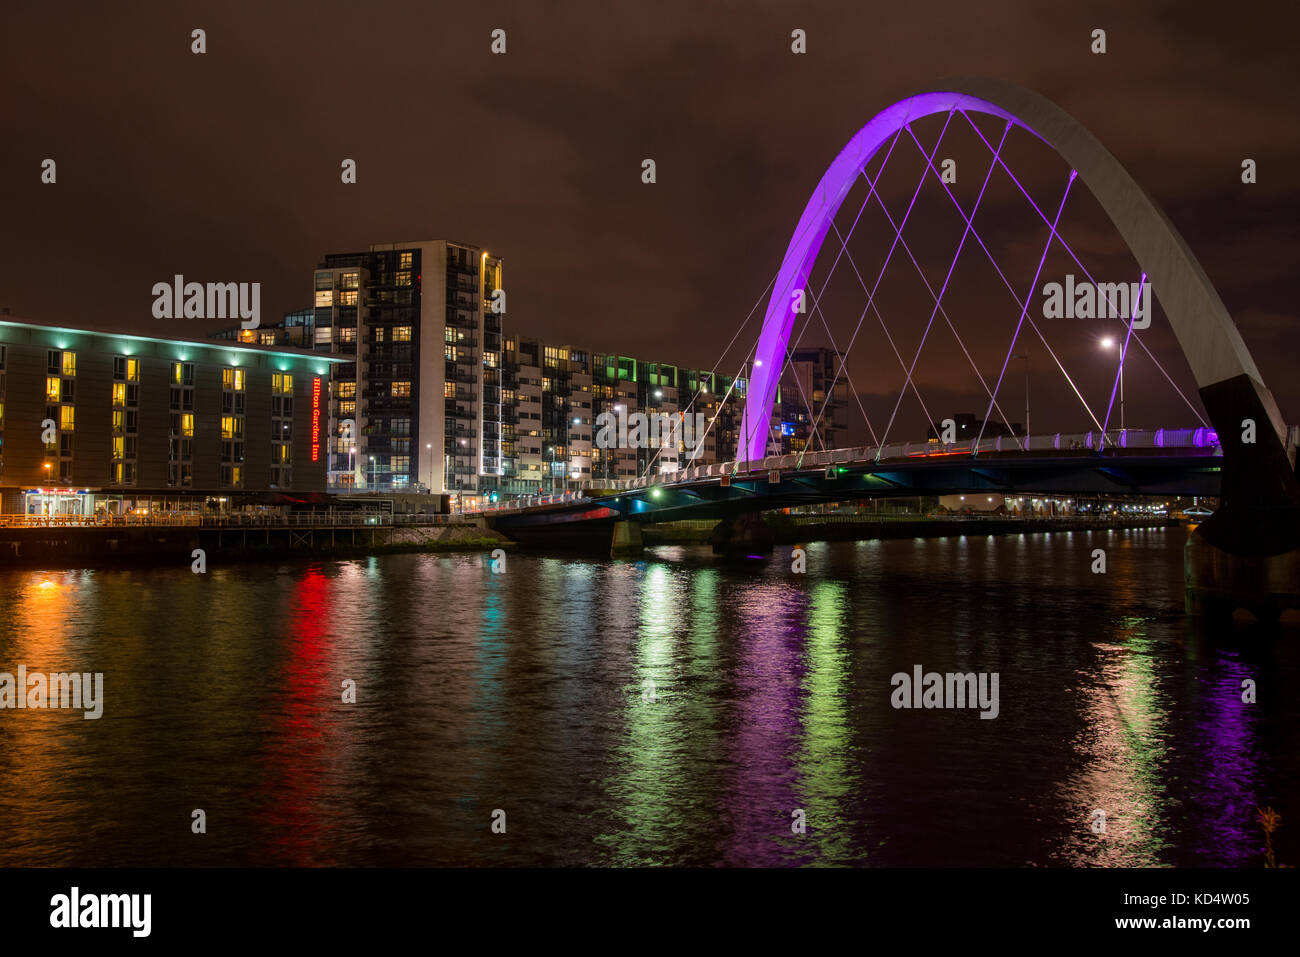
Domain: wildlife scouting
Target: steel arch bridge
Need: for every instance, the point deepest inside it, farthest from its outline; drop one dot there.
(1247, 553)
(1229, 382)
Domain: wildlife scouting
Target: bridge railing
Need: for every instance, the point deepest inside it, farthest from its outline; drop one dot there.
(1095, 441)
(337, 520)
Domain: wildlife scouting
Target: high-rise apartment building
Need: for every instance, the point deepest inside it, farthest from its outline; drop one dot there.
(419, 403)
(812, 378)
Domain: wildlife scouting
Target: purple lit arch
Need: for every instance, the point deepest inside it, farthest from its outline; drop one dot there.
(1209, 339)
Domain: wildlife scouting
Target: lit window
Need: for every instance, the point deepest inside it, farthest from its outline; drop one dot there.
(119, 420)
(67, 418)
(401, 390)
(324, 297)
(239, 380)
(350, 280)
(404, 278)
(346, 390)
(187, 424)
(347, 408)
(449, 390)
(69, 363)
(404, 260)
(119, 447)
(52, 388)
(119, 394)
(227, 426)
(348, 297)
(401, 333)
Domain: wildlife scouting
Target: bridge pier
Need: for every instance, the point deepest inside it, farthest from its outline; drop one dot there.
(1252, 563)
(627, 540)
(742, 535)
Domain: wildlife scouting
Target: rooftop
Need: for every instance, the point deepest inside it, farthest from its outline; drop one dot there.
(218, 345)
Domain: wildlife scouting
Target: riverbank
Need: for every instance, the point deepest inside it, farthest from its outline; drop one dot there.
(75, 546)
(791, 529)
(169, 545)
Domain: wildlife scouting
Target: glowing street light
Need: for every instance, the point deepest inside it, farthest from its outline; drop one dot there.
(1107, 343)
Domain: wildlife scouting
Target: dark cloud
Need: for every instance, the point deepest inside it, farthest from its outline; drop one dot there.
(225, 166)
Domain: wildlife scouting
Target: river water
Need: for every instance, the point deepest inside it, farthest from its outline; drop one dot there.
(676, 710)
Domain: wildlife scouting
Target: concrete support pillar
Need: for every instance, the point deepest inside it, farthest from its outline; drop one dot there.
(627, 540)
(1219, 581)
(742, 535)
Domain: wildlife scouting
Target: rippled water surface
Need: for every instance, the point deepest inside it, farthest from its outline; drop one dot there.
(675, 710)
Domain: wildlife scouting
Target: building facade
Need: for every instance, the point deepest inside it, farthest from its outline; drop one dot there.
(416, 402)
(813, 401)
(84, 413)
(432, 395)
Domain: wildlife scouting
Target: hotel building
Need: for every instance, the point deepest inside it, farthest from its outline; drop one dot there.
(90, 417)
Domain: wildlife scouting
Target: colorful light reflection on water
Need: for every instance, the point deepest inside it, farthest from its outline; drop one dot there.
(675, 710)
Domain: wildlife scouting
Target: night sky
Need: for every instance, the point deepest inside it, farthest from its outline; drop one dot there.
(225, 167)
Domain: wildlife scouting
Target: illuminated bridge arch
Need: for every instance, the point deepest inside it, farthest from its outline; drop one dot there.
(1229, 382)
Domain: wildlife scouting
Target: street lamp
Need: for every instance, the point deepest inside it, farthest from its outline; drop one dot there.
(372, 471)
(429, 446)
(1106, 343)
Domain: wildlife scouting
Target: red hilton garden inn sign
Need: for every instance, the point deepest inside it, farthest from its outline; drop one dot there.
(315, 418)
